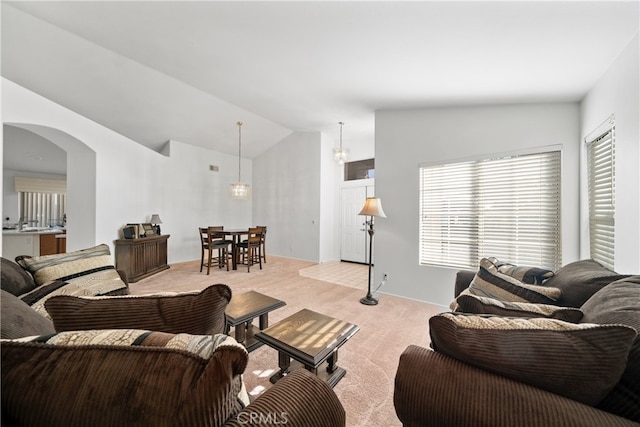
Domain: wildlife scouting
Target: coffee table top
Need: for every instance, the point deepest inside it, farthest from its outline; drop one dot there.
(249, 305)
(307, 336)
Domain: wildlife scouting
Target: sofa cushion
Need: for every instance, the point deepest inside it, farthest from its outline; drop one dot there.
(536, 351)
(14, 279)
(529, 275)
(581, 279)
(122, 377)
(19, 320)
(198, 312)
(474, 304)
(619, 303)
(84, 272)
(489, 282)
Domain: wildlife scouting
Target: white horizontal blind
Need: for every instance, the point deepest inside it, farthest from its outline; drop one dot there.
(505, 207)
(601, 170)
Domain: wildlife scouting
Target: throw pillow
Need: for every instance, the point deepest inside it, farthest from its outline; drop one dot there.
(14, 279)
(619, 302)
(474, 304)
(491, 283)
(19, 320)
(198, 312)
(530, 275)
(580, 361)
(84, 272)
(581, 279)
(123, 377)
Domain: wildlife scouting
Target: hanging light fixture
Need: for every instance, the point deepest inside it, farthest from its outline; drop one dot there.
(239, 190)
(340, 154)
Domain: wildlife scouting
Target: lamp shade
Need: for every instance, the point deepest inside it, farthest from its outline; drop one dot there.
(155, 219)
(373, 207)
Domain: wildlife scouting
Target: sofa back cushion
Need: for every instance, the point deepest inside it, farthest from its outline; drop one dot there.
(19, 320)
(198, 312)
(619, 303)
(580, 361)
(581, 279)
(14, 279)
(122, 377)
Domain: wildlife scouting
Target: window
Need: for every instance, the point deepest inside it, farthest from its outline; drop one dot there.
(601, 172)
(507, 207)
(41, 202)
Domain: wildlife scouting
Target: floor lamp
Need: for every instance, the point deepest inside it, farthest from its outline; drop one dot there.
(372, 207)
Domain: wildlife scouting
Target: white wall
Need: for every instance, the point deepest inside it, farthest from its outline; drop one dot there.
(405, 139)
(287, 183)
(113, 180)
(618, 93)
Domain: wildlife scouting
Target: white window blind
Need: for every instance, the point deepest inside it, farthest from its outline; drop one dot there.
(506, 207)
(601, 171)
(41, 201)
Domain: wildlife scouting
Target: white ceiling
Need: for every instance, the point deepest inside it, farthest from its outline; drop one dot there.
(188, 71)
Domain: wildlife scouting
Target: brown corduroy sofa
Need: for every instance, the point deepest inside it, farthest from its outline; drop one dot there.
(139, 384)
(448, 386)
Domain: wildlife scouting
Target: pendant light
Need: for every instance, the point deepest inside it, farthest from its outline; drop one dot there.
(340, 154)
(239, 190)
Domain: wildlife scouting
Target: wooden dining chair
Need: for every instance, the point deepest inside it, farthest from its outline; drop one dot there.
(251, 249)
(263, 249)
(216, 241)
(204, 245)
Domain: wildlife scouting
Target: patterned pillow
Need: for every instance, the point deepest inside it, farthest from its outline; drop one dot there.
(580, 361)
(474, 304)
(85, 272)
(529, 275)
(491, 283)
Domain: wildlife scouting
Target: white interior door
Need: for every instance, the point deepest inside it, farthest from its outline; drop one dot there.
(354, 231)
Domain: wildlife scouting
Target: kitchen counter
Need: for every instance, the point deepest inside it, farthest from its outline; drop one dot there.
(35, 242)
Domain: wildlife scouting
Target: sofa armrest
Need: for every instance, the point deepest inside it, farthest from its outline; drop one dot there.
(195, 313)
(463, 280)
(300, 399)
(434, 389)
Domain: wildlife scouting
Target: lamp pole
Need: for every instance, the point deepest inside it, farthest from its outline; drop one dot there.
(369, 299)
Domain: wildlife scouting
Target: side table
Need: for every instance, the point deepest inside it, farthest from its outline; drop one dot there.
(311, 339)
(241, 311)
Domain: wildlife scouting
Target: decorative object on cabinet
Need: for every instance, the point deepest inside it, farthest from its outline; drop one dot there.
(149, 230)
(156, 221)
(143, 257)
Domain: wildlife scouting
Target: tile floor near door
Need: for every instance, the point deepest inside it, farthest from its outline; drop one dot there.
(341, 273)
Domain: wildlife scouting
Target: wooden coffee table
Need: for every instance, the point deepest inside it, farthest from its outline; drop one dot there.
(241, 311)
(312, 340)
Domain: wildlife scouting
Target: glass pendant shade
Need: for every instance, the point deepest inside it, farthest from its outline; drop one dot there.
(239, 190)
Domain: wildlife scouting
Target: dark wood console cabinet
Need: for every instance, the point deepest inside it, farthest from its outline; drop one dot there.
(142, 257)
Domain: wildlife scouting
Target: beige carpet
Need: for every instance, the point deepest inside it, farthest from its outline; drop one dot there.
(370, 357)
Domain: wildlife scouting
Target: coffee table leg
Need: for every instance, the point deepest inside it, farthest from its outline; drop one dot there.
(331, 361)
(264, 321)
(241, 332)
(284, 362)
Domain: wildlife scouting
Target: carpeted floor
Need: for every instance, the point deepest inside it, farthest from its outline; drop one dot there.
(370, 357)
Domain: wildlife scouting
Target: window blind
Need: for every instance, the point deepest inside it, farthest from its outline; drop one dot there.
(601, 171)
(506, 207)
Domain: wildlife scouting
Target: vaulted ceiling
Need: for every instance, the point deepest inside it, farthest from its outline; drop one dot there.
(188, 71)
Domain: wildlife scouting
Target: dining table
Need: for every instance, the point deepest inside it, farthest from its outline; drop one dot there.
(236, 236)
